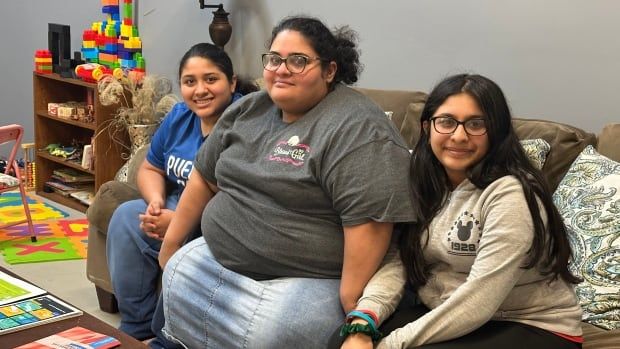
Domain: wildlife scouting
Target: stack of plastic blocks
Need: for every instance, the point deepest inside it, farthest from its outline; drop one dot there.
(43, 61)
(90, 51)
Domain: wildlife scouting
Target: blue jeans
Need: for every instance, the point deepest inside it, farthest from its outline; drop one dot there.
(134, 268)
(209, 306)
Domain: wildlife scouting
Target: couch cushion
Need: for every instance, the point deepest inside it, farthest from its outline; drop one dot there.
(609, 142)
(588, 199)
(394, 100)
(598, 338)
(410, 127)
(566, 143)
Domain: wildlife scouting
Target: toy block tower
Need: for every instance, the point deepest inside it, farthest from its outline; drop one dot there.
(115, 42)
(43, 61)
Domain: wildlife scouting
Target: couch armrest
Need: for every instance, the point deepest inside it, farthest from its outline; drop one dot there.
(109, 196)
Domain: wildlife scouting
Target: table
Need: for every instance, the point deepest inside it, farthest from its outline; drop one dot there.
(11, 340)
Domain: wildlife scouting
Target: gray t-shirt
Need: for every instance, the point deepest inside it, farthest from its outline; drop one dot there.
(286, 190)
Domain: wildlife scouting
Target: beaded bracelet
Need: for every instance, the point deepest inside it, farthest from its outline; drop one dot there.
(348, 329)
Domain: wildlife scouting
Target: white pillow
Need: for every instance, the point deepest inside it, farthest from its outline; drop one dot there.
(536, 150)
(588, 199)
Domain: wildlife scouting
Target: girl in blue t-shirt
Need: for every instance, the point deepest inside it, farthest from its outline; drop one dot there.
(208, 86)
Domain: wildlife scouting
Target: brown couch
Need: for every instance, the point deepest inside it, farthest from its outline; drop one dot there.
(566, 143)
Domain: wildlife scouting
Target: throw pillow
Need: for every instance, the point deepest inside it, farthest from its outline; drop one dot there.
(588, 199)
(7, 181)
(536, 150)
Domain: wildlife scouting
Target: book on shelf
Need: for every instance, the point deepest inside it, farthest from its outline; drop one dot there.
(76, 337)
(66, 189)
(69, 175)
(84, 196)
(60, 179)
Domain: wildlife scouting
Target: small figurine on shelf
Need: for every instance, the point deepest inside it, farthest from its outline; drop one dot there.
(58, 150)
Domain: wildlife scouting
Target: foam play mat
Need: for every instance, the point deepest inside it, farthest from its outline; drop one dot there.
(11, 209)
(61, 239)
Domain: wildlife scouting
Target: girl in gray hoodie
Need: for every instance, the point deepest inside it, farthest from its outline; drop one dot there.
(488, 255)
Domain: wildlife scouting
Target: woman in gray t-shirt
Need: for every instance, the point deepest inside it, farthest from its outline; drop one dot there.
(297, 190)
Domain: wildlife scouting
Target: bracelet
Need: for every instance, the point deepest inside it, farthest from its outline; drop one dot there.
(348, 329)
(371, 313)
(361, 315)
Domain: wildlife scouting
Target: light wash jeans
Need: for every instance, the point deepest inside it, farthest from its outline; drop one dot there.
(134, 268)
(209, 306)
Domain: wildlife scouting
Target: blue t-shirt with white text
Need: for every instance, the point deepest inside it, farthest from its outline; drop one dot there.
(175, 143)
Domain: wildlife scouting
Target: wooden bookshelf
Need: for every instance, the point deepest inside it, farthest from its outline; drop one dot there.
(48, 129)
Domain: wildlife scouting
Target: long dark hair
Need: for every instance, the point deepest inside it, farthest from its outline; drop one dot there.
(220, 58)
(339, 46)
(505, 156)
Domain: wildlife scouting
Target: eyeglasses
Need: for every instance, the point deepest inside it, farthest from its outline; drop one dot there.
(295, 63)
(448, 125)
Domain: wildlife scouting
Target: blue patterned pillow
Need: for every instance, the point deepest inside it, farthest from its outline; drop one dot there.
(588, 199)
(536, 150)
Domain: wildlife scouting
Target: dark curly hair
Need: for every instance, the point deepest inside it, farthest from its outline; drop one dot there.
(339, 46)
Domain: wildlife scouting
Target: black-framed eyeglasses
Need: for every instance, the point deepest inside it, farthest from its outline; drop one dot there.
(448, 125)
(295, 63)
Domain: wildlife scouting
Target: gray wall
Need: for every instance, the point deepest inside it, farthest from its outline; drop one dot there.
(555, 59)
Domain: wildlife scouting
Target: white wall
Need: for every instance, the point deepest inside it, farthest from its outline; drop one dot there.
(555, 59)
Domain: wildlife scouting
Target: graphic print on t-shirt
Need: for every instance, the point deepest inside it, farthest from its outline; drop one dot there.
(464, 235)
(290, 151)
(179, 168)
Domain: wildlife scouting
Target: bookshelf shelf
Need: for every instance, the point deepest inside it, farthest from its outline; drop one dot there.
(64, 162)
(48, 129)
(43, 113)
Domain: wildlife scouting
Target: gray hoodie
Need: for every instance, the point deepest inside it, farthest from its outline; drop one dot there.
(478, 243)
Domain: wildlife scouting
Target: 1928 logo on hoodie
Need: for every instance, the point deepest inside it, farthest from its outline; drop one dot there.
(464, 235)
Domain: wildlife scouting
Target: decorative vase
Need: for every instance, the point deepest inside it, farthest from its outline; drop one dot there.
(139, 136)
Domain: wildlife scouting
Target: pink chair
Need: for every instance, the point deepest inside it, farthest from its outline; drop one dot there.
(13, 133)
